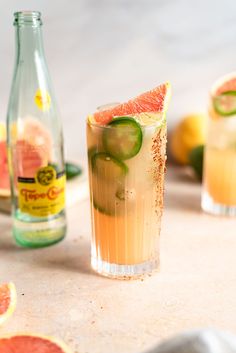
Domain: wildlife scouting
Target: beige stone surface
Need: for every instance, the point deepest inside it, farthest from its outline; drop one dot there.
(59, 295)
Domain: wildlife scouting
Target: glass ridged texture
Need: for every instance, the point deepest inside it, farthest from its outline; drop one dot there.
(219, 186)
(126, 209)
(35, 142)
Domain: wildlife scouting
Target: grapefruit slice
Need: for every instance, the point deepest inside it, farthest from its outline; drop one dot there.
(29, 343)
(154, 101)
(28, 158)
(4, 175)
(224, 84)
(7, 301)
(35, 133)
(33, 147)
(223, 95)
(33, 150)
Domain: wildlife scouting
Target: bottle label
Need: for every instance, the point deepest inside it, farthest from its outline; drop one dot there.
(42, 99)
(43, 195)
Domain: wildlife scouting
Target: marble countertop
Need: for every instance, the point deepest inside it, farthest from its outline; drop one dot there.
(59, 295)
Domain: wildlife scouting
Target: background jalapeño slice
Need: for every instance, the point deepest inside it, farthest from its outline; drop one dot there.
(225, 103)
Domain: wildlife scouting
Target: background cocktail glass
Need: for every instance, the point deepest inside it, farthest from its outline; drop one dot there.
(219, 180)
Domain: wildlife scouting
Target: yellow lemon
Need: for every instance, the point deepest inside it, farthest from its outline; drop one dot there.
(189, 133)
(2, 131)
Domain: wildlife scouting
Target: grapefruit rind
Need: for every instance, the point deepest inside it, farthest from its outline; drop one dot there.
(11, 308)
(150, 119)
(62, 347)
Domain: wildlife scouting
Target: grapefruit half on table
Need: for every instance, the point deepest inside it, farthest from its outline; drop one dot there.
(7, 301)
(30, 343)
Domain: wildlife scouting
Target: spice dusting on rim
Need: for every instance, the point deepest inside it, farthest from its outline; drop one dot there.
(159, 169)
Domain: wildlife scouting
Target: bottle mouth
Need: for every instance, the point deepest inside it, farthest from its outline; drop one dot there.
(27, 18)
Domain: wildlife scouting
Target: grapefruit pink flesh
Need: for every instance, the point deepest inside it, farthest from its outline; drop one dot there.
(4, 175)
(31, 343)
(7, 301)
(223, 95)
(32, 147)
(152, 101)
(228, 85)
(29, 158)
(4, 298)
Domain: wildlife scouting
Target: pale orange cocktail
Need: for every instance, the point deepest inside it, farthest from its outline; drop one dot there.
(126, 175)
(219, 192)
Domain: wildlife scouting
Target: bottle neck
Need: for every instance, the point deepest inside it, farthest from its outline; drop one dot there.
(29, 43)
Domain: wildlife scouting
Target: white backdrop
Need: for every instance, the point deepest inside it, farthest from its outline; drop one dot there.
(100, 51)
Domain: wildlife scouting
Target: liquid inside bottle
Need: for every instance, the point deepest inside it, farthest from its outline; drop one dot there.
(35, 142)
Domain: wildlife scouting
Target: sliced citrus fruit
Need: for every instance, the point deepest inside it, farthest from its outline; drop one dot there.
(4, 174)
(7, 301)
(223, 95)
(155, 100)
(146, 119)
(33, 146)
(35, 133)
(29, 343)
(224, 84)
(28, 158)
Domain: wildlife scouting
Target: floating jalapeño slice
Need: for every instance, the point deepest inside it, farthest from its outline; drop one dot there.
(122, 138)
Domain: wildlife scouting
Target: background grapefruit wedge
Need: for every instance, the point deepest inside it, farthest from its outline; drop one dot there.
(33, 147)
(224, 83)
(4, 175)
(223, 97)
(7, 301)
(29, 343)
(154, 101)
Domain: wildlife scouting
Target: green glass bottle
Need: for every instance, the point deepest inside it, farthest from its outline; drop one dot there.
(35, 142)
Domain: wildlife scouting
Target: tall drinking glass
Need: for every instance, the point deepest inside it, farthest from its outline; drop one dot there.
(219, 182)
(126, 194)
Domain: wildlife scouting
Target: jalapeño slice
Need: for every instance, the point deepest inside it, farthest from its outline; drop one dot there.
(225, 103)
(122, 138)
(108, 176)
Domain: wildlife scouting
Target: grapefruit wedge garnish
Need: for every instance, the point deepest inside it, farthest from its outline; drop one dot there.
(30, 343)
(154, 101)
(223, 95)
(7, 301)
